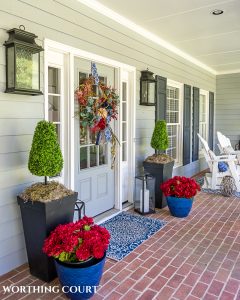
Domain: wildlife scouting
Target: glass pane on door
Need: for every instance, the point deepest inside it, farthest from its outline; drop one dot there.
(124, 107)
(102, 154)
(83, 158)
(54, 108)
(53, 80)
(83, 136)
(93, 156)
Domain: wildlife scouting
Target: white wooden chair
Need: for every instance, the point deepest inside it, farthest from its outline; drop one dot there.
(225, 145)
(213, 179)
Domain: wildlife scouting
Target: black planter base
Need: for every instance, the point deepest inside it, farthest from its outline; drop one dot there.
(39, 219)
(161, 172)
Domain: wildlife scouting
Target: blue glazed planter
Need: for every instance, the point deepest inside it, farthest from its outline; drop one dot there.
(179, 207)
(80, 280)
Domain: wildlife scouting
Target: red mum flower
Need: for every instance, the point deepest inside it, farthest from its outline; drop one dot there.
(83, 253)
(180, 187)
(77, 241)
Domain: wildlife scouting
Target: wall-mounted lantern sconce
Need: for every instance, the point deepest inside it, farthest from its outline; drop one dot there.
(22, 63)
(147, 88)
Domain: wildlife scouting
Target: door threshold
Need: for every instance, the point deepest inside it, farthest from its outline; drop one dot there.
(127, 205)
(111, 213)
(106, 215)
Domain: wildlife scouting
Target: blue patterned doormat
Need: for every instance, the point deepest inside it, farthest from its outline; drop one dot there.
(128, 231)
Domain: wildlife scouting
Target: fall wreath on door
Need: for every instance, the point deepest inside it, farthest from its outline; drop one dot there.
(98, 106)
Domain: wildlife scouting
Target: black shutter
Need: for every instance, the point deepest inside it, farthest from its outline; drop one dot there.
(211, 120)
(195, 144)
(161, 98)
(187, 125)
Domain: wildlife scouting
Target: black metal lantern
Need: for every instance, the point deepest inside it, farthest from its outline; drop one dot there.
(22, 63)
(147, 88)
(144, 200)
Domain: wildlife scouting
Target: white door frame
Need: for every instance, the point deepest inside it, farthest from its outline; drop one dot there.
(129, 165)
(70, 53)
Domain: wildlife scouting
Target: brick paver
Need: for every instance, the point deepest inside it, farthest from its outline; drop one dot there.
(193, 258)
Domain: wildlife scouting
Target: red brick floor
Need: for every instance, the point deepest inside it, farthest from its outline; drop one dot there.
(193, 258)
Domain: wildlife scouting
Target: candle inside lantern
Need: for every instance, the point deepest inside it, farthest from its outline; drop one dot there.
(144, 199)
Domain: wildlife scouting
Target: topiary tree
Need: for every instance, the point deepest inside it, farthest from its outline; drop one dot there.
(45, 158)
(159, 140)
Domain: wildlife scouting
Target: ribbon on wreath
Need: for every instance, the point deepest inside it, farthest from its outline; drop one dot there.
(94, 73)
(106, 133)
(103, 126)
(98, 138)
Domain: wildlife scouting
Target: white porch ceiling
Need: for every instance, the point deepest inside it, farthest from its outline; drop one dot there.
(189, 26)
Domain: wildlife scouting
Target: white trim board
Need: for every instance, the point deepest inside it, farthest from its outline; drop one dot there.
(86, 55)
(228, 72)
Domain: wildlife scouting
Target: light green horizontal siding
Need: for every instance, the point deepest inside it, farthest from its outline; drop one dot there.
(9, 161)
(228, 106)
(73, 24)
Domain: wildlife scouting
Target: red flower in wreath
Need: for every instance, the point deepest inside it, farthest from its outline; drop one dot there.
(99, 126)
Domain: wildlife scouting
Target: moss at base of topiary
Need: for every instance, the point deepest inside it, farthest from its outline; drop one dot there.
(159, 159)
(45, 193)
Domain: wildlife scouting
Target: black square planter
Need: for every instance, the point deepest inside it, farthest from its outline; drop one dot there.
(161, 172)
(39, 219)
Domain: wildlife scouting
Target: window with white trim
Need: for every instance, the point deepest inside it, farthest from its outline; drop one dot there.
(54, 100)
(174, 121)
(124, 122)
(203, 116)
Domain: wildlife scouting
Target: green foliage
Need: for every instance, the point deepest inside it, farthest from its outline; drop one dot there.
(159, 139)
(45, 158)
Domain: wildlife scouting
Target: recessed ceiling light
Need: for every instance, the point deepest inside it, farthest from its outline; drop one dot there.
(217, 12)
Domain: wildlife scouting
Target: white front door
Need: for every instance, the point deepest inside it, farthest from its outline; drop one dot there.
(94, 179)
